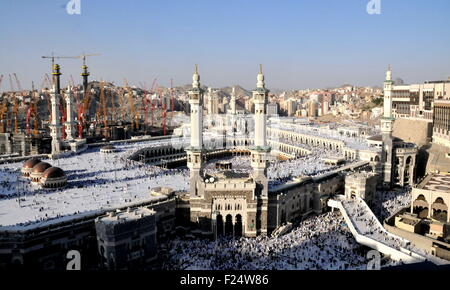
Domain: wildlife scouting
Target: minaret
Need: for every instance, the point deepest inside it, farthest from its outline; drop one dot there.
(55, 125)
(260, 150)
(56, 79)
(386, 131)
(85, 74)
(194, 151)
(70, 123)
(233, 101)
(211, 102)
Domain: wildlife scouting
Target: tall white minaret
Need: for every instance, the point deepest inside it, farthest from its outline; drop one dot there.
(387, 101)
(195, 150)
(233, 101)
(55, 125)
(70, 123)
(386, 131)
(260, 150)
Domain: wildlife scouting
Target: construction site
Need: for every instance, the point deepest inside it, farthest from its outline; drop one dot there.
(99, 111)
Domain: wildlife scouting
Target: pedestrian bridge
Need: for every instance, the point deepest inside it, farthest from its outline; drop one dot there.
(368, 231)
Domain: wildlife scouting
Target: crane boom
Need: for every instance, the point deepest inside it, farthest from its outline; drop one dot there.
(11, 83)
(19, 87)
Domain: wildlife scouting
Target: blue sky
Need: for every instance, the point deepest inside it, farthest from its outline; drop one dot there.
(310, 43)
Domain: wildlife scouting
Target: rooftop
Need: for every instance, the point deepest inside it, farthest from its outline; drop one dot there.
(436, 182)
(95, 183)
(126, 215)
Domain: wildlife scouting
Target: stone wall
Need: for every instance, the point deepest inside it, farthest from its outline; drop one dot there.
(413, 130)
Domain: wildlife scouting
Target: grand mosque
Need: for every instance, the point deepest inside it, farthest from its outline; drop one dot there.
(247, 175)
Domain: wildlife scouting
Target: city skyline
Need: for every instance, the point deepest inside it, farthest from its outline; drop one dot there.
(302, 44)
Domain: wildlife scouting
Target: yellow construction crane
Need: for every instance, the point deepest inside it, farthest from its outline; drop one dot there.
(53, 57)
(3, 112)
(84, 55)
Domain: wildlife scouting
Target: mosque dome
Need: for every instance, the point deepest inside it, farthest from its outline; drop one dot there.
(28, 166)
(53, 172)
(30, 163)
(53, 177)
(40, 167)
(38, 170)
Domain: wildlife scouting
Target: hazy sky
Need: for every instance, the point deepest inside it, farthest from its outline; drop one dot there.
(310, 43)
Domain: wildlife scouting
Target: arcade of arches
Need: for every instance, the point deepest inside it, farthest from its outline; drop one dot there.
(437, 209)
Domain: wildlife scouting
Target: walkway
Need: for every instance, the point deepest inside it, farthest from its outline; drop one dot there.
(368, 231)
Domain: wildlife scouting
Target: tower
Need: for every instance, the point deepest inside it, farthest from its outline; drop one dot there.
(210, 102)
(260, 152)
(195, 150)
(233, 102)
(85, 75)
(55, 125)
(70, 123)
(386, 131)
(56, 79)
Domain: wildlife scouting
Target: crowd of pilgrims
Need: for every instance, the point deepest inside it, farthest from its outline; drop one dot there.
(8, 184)
(28, 195)
(368, 225)
(318, 242)
(280, 171)
(309, 165)
(388, 202)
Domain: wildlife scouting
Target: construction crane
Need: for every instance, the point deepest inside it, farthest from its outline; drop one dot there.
(83, 113)
(11, 83)
(36, 117)
(55, 69)
(19, 87)
(164, 118)
(3, 115)
(85, 72)
(16, 113)
(120, 93)
(72, 82)
(133, 119)
(103, 110)
(163, 104)
(145, 106)
(152, 92)
(29, 110)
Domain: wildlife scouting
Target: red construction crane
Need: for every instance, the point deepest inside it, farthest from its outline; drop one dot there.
(133, 119)
(29, 110)
(145, 105)
(152, 92)
(164, 118)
